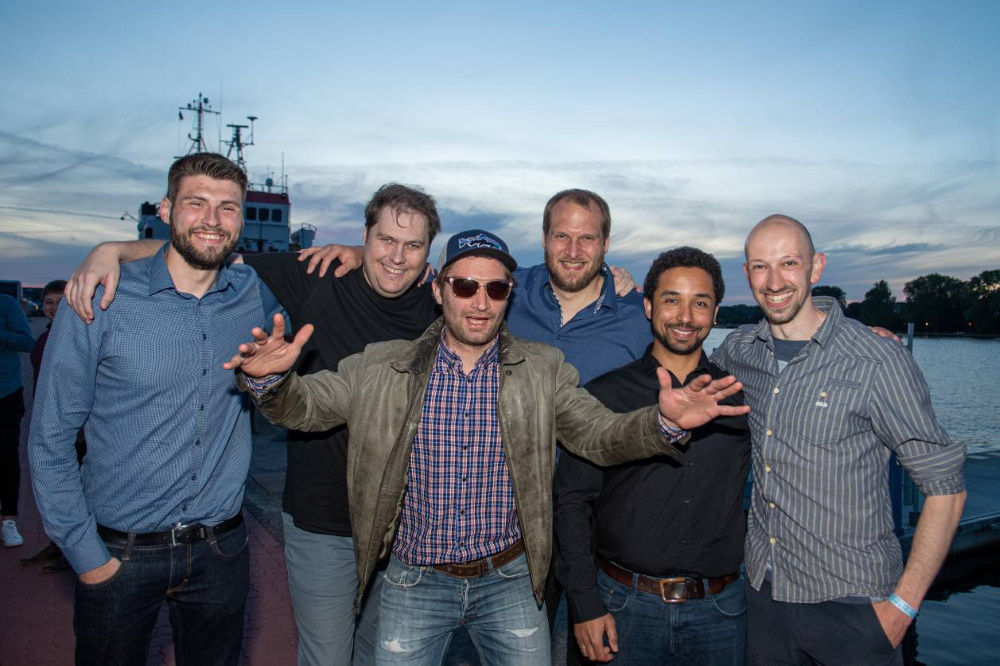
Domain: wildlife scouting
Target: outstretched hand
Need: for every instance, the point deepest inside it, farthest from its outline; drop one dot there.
(269, 354)
(697, 403)
(322, 256)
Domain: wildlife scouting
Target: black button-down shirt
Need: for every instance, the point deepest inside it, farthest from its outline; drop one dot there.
(659, 517)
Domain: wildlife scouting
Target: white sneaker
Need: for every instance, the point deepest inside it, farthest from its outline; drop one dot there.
(11, 537)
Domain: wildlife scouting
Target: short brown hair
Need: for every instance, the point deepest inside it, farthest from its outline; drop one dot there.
(580, 198)
(401, 198)
(212, 165)
(54, 287)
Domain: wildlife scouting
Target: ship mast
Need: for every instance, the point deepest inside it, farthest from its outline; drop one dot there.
(200, 107)
(237, 143)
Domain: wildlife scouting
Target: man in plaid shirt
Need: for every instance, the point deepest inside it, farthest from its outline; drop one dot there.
(451, 456)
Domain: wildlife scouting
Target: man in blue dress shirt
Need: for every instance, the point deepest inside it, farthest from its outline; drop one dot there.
(154, 513)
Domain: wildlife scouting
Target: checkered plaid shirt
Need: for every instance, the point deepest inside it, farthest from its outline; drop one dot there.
(459, 503)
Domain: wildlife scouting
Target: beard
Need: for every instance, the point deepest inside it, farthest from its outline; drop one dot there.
(692, 346)
(571, 284)
(204, 260)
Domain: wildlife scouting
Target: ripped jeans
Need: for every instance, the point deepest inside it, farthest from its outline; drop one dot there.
(421, 607)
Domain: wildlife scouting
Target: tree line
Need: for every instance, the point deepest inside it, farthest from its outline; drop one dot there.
(935, 303)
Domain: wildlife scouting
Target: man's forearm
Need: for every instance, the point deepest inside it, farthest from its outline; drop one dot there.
(133, 250)
(931, 541)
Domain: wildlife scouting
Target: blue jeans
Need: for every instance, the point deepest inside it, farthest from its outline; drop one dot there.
(205, 586)
(323, 581)
(699, 631)
(421, 607)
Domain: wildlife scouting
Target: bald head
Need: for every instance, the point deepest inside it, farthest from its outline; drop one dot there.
(778, 221)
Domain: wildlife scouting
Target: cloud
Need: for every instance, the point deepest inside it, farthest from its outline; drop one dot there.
(876, 221)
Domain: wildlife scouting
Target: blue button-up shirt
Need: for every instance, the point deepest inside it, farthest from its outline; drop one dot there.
(607, 334)
(168, 434)
(15, 337)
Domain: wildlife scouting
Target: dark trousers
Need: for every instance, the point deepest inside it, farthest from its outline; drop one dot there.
(205, 586)
(11, 411)
(829, 632)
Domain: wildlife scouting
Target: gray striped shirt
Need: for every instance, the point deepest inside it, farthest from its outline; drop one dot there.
(822, 431)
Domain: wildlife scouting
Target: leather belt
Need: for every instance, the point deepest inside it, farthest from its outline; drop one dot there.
(178, 536)
(674, 590)
(481, 567)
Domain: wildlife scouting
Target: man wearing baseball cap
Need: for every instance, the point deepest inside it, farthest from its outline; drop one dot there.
(451, 456)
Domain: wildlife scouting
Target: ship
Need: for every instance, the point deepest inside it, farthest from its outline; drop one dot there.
(267, 210)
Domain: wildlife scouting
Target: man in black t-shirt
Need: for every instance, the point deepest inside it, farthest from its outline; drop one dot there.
(374, 304)
(663, 535)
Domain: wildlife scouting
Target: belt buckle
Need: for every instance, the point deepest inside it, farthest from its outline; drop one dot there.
(664, 582)
(180, 529)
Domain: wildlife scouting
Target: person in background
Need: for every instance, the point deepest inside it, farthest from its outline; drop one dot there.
(15, 339)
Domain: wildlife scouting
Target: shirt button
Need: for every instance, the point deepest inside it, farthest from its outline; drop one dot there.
(767, 468)
(773, 541)
(197, 442)
(204, 337)
(184, 508)
(204, 371)
(769, 432)
(687, 500)
(771, 504)
(777, 390)
(194, 477)
(201, 408)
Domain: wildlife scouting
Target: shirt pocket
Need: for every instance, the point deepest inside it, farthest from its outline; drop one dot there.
(830, 412)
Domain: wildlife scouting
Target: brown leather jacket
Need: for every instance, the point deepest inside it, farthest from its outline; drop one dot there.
(379, 393)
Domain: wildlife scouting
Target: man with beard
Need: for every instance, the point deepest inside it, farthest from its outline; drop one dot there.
(452, 468)
(658, 575)
(832, 401)
(154, 514)
(569, 302)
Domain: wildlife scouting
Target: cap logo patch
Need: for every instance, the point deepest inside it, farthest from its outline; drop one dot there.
(480, 241)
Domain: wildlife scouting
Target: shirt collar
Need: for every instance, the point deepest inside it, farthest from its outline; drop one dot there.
(606, 299)
(649, 364)
(447, 356)
(161, 280)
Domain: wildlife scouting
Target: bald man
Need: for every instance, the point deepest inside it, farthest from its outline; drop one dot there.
(830, 401)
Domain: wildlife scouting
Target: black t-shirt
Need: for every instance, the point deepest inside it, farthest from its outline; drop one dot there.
(348, 316)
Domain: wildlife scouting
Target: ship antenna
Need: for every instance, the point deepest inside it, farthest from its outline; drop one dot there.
(237, 143)
(199, 107)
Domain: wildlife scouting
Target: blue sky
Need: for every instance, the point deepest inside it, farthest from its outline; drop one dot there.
(876, 124)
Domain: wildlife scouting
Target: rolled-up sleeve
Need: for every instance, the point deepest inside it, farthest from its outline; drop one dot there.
(903, 418)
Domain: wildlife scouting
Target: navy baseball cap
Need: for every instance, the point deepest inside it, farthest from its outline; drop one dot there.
(477, 243)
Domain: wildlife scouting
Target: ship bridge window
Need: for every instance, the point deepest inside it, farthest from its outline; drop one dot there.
(264, 214)
(276, 215)
(251, 213)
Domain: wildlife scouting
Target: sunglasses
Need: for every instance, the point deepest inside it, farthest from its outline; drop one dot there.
(497, 290)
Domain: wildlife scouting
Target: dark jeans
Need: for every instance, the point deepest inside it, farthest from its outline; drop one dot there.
(205, 586)
(711, 630)
(11, 411)
(829, 632)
